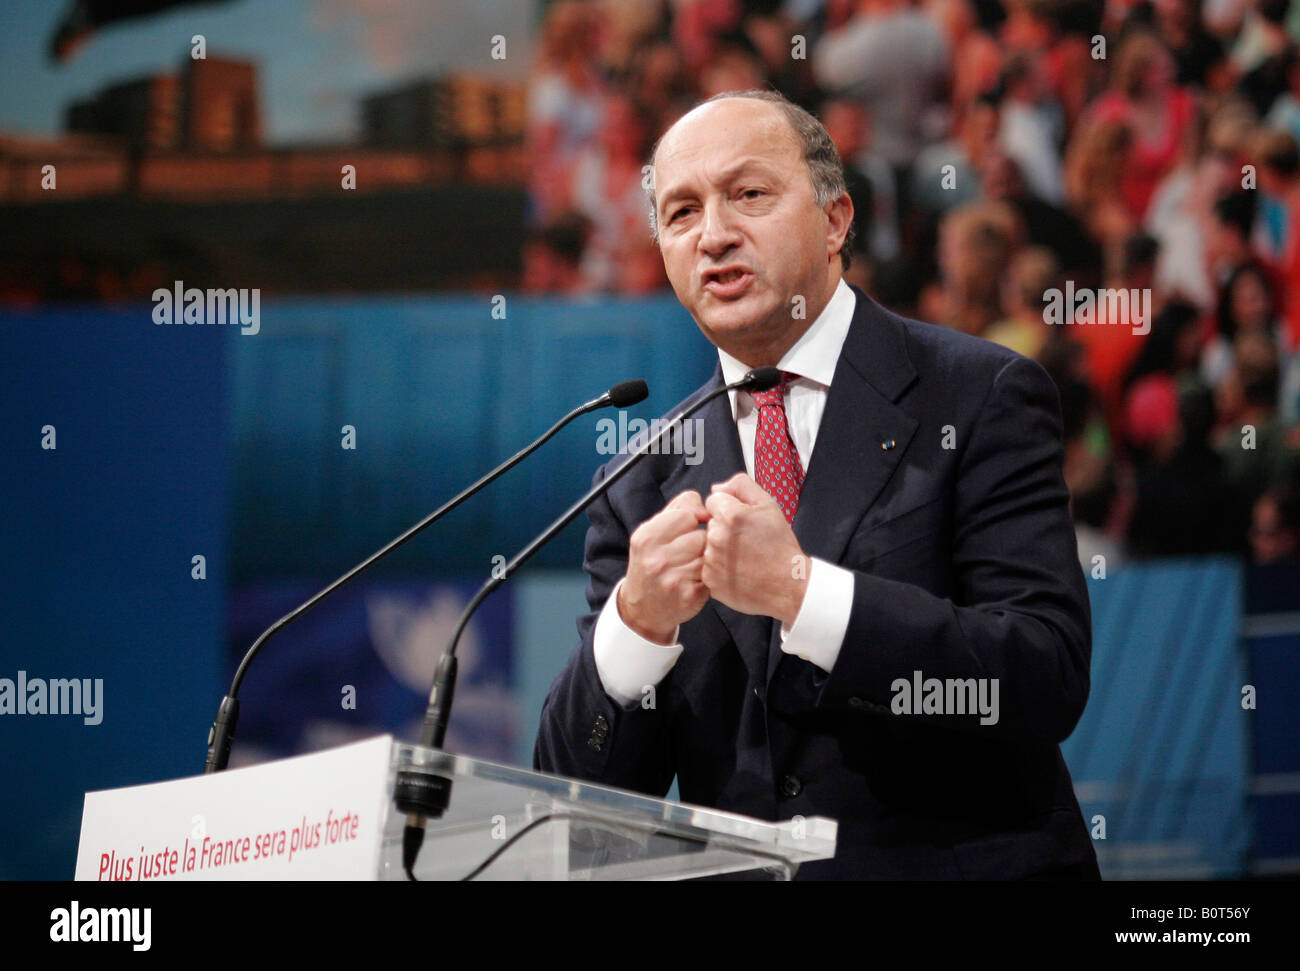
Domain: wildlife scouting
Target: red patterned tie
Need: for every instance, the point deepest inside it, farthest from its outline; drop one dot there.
(776, 461)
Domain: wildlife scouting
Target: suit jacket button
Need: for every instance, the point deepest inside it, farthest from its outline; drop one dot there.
(791, 787)
(857, 703)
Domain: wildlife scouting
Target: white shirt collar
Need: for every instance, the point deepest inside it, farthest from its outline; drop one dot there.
(814, 355)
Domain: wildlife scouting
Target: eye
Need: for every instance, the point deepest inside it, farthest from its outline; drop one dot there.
(678, 212)
(752, 193)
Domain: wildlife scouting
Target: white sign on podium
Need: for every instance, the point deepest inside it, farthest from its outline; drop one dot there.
(314, 817)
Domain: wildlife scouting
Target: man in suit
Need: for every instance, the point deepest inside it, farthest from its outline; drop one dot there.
(894, 506)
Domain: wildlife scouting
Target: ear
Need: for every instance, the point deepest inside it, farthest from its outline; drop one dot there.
(839, 217)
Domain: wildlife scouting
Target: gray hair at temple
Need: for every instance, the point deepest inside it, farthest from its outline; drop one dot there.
(824, 165)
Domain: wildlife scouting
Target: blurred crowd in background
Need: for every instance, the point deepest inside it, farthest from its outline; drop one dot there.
(996, 150)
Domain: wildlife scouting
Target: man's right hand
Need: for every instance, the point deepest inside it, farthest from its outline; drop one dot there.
(663, 588)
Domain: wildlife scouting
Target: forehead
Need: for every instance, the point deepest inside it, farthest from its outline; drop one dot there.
(716, 139)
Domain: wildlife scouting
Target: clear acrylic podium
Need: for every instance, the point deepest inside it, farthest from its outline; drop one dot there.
(330, 815)
(507, 823)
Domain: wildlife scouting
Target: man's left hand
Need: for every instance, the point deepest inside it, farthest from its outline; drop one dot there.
(752, 561)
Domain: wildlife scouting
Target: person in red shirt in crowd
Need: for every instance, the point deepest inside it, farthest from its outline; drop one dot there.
(1143, 96)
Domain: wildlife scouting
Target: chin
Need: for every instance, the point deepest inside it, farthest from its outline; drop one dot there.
(728, 320)
(742, 318)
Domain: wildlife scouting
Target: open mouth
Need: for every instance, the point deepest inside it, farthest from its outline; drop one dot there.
(728, 282)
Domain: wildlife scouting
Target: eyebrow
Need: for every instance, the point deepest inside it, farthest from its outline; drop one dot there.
(728, 174)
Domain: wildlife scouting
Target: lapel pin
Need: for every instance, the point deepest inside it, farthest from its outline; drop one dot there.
(887, 444)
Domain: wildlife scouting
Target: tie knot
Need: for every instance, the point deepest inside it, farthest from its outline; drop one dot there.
(774, 396)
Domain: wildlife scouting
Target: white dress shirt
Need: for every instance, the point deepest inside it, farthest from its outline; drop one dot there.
(627, 663)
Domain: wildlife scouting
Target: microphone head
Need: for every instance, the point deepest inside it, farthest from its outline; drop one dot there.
(627, 393)
(760, 379)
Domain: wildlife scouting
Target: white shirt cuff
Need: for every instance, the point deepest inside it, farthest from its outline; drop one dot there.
(818, 631)
(627, 663)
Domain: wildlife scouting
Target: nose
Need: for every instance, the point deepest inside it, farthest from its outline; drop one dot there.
(718, 230)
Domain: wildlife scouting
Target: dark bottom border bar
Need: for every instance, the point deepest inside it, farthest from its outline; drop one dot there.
(330, 920)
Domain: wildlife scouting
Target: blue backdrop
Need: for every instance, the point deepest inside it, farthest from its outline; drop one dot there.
(97, 560)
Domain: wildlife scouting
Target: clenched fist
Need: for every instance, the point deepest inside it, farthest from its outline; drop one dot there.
(663, 588)
(750, 551)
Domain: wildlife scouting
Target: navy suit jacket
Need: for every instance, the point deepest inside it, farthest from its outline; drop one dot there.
(965, 566)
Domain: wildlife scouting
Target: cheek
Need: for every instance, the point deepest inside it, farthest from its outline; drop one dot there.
(676, 263)
(789, 249)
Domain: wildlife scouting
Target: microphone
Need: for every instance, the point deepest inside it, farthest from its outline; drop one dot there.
(222, 733)
(423, 795)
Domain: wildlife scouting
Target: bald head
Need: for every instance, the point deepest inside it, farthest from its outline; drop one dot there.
(809, 137)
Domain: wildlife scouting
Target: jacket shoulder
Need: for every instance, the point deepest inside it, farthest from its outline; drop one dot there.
(933, 342)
